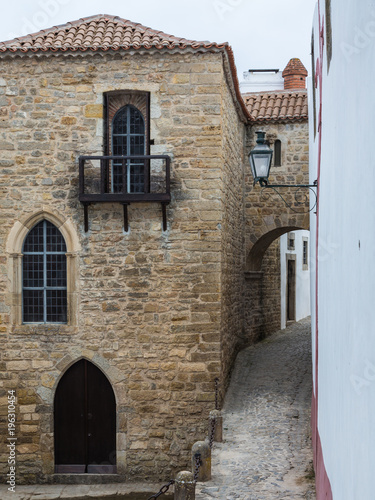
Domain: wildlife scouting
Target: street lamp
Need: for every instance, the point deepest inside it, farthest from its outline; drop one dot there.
(260, 159)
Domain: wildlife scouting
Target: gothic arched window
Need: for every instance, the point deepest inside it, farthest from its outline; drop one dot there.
(44, 280)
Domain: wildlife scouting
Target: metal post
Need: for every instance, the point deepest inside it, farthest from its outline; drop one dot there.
(164, 210)
(184, 486)
(86, 216)
(126, 219)
(81, 176)
(203, 450)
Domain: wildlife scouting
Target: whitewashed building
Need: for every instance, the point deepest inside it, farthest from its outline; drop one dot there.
(342, 131)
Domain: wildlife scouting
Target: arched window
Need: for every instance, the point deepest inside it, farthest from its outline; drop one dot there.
(44, 280)
(128, 138)
(277, 152)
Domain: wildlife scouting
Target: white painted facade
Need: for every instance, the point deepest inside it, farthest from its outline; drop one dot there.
(302, 274)
(343, 278)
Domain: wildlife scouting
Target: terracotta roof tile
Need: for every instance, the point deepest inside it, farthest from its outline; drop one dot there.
(100, 32)
(278, 106)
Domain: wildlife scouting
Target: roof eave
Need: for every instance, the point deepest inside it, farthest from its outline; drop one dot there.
(254, 121)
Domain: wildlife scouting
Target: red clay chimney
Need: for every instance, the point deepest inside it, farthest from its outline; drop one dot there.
(295, 75)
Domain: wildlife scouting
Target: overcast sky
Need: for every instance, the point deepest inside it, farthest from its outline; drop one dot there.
(263, 33)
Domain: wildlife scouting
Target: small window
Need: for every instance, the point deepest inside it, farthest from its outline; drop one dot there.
(44, 278)
(328, 32)
(291, 239)
(305, 254)
(313, 62)
(277, 153)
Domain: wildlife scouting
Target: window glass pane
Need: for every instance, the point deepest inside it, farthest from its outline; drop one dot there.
(137, 178)
(117, 175)
(33, 306)
(34, 240)
(33, 271)
(120, 122)
(54, 239)
(137, 145)
(119, 146)
(56, 306)
(137, 125)
(56, 270)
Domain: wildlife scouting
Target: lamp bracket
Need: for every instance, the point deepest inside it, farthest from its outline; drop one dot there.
(297, 194)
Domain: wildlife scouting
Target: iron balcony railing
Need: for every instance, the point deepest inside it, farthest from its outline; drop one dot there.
(125, 180)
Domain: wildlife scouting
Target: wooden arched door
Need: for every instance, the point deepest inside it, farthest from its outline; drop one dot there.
(85, 421)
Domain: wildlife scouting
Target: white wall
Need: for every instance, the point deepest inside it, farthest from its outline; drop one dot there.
(346, 251)
(263, 81)
(302, 276)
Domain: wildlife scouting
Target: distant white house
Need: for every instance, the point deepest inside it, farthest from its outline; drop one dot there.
(295, 276)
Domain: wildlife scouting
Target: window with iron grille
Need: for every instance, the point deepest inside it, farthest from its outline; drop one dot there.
(44, 280)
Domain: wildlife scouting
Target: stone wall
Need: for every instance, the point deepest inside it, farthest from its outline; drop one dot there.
(271, 295)
(262, 297)
(232, 267)
(148, 307)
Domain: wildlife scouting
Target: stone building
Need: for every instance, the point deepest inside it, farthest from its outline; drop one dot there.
(123, 293)
(283, 115)
(153, 302)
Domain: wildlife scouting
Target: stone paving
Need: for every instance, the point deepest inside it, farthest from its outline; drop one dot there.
(266, 453)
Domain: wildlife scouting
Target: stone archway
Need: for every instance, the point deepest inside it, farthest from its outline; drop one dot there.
(262, 282)
(255, 256)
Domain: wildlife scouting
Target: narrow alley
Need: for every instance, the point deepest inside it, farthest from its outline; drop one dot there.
(266, 452)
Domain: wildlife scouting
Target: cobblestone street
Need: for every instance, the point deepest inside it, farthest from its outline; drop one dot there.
(266, 452)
